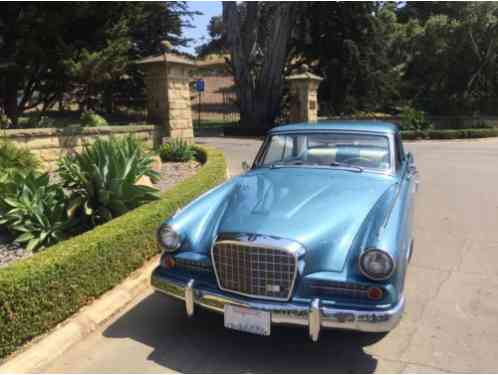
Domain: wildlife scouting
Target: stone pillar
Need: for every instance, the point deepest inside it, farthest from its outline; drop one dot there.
(303, 88)
(167, 79)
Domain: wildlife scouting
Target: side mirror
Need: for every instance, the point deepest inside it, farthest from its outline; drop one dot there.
(245, 166)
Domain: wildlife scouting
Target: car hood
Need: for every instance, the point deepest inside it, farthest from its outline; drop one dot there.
(323, 209)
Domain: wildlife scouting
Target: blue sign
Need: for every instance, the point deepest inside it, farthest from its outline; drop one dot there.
(199, 85)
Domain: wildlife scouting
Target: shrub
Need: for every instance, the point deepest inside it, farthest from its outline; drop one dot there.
(37, 120)
(176, 150)
(32, 209)
(102, 179)
(13, 157)
(414, 120)
(5, 121)
(451, 134)
(92, 119)
(39, 292)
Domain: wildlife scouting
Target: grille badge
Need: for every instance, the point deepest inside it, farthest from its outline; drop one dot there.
(272, 288)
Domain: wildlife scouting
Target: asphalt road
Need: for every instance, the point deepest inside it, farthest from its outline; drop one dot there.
(451, 319)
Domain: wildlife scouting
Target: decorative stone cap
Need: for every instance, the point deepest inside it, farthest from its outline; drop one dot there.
(168, 58)
(304, 74)
(213, 60)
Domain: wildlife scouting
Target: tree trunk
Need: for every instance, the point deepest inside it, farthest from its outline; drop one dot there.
(258, 70)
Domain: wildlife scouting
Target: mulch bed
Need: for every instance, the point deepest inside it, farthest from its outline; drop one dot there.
(171, 174)
(10, 251)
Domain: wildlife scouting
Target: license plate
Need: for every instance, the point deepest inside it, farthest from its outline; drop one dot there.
(248, 320)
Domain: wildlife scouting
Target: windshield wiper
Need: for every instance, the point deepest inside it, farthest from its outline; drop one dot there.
(347, 166)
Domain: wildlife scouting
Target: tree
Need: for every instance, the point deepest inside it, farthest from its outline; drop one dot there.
(216, 43)
(257, 35)
(452, 69)
(346, 42)
(153, 22)
(33, 46)
(80, 48)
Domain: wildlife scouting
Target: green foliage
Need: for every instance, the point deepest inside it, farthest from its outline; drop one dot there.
(216, 43)
(414, 120)
(77, 51)
(33, 209)
(450, 134)
(13, 157)
(92, 119)
(39, 292)
(450, 66)
(103, 179)
(176, 150)
(347, 44)
(5, 121)
(36, 120)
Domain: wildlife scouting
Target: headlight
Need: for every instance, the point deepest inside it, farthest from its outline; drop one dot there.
(168, 239)
(376, 264)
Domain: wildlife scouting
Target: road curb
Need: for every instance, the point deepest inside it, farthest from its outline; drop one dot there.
(45, 349)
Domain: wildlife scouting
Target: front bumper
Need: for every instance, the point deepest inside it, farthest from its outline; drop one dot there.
(312, 315)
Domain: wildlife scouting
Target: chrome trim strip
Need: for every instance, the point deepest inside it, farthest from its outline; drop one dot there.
(260, 241)
(189, 298)
(314, 323)
(287, 313)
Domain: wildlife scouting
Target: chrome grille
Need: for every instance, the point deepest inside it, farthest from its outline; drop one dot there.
(255, 271)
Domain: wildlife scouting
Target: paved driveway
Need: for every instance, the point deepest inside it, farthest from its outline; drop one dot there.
(451, 320)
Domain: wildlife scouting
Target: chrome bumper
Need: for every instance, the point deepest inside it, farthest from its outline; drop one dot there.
(314, 316)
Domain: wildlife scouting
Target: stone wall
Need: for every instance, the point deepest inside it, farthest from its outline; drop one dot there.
(50, 143)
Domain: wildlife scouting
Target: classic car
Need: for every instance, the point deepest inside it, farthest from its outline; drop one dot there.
(316, 233)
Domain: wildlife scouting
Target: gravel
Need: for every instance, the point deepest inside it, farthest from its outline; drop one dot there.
(171, 174)
(10, 251)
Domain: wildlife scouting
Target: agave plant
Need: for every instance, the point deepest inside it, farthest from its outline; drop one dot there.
(14, 157)
(33, 209)
(102, 179)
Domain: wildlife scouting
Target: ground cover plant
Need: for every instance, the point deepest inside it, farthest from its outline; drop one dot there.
(176, 150)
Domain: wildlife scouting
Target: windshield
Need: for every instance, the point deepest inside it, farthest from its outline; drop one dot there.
(330, 149)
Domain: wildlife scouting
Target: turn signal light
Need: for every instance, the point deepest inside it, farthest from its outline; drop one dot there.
(374, 293)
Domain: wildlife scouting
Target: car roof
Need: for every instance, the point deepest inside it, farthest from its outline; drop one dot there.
(370, 126)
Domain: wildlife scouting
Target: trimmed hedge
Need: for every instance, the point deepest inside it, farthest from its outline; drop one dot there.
(41, 291)
(450, 134)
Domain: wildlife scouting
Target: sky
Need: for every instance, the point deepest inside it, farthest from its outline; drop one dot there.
(209, 9)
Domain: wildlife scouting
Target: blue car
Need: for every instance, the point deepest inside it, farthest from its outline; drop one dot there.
(318, 232)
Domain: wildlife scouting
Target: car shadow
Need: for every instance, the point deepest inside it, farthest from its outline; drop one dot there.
(202, 345)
